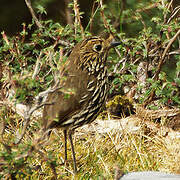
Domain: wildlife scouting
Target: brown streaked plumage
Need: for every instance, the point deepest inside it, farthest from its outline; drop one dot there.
(86, 76)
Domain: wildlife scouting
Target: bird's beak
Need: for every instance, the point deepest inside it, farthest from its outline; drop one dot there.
(111, 42)
(114, 44)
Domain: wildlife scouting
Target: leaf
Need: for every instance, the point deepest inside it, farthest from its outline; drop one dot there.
(41, 9)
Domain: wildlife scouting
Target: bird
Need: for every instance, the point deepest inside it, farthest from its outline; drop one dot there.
(85, 76)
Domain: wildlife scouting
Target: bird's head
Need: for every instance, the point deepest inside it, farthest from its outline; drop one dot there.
(93, 52)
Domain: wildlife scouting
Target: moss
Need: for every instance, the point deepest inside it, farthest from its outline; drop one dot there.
(120, 106)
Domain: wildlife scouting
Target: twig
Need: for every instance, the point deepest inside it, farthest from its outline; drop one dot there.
(40, 102)
(68, 13)
(168, 6)
(155, 77)
(64, 43)
(77, 18)
(52, 166)
(122, 61)
(164, 54)
(93, 13)
(28, 3)
(37, 69)
(173, 14)
(104, 18)
(150, 7)
(5, 38)
(118, 53)
(27, 116)
(176, 52)
(36, 147)
(61, 42)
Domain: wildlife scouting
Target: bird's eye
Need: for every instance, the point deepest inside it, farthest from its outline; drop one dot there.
(97, 47)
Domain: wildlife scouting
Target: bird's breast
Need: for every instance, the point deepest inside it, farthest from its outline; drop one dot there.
(92, 101)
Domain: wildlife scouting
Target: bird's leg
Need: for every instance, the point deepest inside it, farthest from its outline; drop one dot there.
(72, 149)
(65, 145)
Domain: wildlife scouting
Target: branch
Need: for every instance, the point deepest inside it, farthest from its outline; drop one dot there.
(78, 18)
(40, 102)
(104, 18)
(164, 54)
(64, 43)
(155, 77)
(123, 62)
(174, 14)
(28, 3)
(68, 13)
(37, 69)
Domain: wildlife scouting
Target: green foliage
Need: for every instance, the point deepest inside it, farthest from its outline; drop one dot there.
(13, 161)
(148, 46)
(40, 48)
(31, 59)
(41, 9)
(27, 89)
(20, 53)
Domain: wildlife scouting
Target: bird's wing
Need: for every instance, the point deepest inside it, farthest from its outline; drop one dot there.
(67, 101)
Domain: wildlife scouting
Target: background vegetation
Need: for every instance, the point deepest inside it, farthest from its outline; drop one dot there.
(37, 38)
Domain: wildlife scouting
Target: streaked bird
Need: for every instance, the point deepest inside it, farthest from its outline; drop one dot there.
(85, 76)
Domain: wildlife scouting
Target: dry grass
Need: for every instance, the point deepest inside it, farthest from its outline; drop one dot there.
(129, 144)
